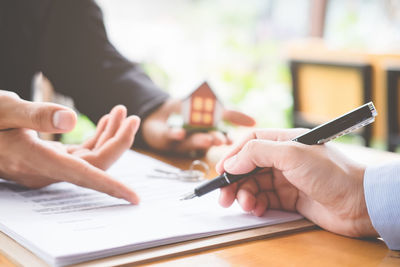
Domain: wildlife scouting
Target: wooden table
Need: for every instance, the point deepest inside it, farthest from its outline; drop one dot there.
(308, 248)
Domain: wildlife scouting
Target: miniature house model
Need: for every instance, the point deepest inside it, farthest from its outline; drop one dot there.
(202, 110)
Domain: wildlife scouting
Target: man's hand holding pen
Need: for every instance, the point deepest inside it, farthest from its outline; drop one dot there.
(317, 181)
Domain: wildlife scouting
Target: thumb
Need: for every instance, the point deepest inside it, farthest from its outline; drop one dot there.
(42, 117)
(261, 153)
(238, 118)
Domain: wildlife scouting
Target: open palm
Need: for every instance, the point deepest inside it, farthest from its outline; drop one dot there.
(32, 162)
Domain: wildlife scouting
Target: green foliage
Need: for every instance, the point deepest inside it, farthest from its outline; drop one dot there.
(83, 130)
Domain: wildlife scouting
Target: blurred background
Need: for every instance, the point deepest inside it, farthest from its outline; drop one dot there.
(287, 63)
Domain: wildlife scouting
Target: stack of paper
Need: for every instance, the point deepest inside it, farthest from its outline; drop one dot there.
(65, 224)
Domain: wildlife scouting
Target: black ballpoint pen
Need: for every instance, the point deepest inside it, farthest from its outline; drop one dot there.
(342, 125)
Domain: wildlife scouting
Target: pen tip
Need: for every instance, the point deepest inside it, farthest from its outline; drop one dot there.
(188, 196)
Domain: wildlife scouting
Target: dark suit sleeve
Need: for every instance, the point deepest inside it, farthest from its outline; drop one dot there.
(80, 61)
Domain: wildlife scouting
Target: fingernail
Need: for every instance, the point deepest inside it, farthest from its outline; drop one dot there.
(63, 120)
(230, 163)
(133, 199)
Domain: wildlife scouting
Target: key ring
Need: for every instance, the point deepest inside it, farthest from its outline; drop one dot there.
(190, 175)
(195, 163)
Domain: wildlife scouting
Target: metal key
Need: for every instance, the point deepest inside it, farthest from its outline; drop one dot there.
(182, 175)
(190, 175)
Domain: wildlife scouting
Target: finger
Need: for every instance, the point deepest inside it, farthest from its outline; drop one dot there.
(57, 145)
(250, 186)
(286, 192)
(117, 145)
(77, 171)
(218, 138)
(274, 201)
(264, 181)
(199, 141)
(117, 115)
(246, 195)
(82, 153)
(176, 134)
(42, 117)
(196, 141)
(7, 95)
(270, 134)
(227, 195)
(72, 148)
(261, 204)
(246, 200)
(91, 142)
(238, 118)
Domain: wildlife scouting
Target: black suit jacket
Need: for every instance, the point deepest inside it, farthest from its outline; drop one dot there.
(66, 40)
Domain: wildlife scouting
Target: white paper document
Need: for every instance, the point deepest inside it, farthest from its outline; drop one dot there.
(65, 224)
